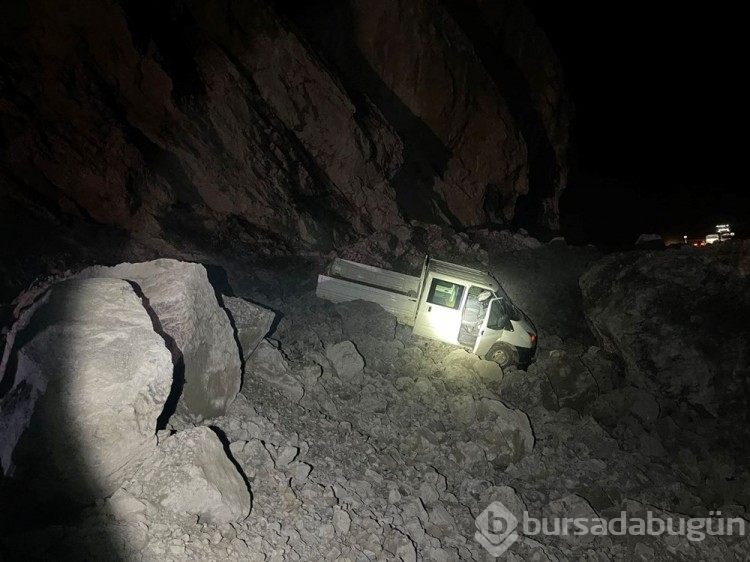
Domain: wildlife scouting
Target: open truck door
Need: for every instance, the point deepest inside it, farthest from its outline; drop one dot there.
(439, 312)
(506, 337)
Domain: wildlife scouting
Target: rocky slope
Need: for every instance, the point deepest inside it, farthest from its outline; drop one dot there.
(134, 129)
(678, 321)
(358, 441)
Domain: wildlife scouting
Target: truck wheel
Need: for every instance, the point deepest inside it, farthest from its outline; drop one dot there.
(503, 354)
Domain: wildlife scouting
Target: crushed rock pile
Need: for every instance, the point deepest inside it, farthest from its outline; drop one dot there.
(405, 247)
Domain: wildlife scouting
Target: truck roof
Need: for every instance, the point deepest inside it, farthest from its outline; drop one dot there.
(462, 272)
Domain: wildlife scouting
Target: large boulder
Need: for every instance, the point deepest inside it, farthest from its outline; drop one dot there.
(679, 322)
(192, 475)
(96, 376)
(197, 329)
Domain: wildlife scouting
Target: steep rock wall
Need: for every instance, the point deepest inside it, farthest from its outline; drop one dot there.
(194, 125)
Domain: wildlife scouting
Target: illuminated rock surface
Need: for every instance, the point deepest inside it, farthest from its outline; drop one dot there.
(100, 376)
(190, 474)
(197, 330)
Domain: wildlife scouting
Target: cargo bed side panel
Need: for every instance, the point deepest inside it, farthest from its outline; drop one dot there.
(402, 307)
(375, 276)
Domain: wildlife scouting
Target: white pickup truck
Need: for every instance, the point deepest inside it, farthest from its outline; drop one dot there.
(448, 302)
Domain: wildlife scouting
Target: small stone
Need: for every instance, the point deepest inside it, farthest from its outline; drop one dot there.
(407, 552)
(268, 363)
(300, 471)
(374, 476)
(413, 527)
(345, 359)
(428, 494)
(394, 496)
(228, 532)
(241, 548)
(372, 546)
(341, 521)
(286, 455)
(414, 508)
(440, 516)
(326, 532)
(329, 497)
(440, 555)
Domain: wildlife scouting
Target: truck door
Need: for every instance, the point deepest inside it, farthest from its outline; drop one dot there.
(439, 313)
(492, 327)
(423, 279)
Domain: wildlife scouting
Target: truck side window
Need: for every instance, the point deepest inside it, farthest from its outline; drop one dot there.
(498, 316)
(445, 293)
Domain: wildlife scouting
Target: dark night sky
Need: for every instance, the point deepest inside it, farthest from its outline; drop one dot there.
(658, 103)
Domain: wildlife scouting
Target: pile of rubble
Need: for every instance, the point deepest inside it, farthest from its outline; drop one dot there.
(349, 439)
(404, 249)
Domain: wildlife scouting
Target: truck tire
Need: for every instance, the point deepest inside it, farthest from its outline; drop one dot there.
(503, 354)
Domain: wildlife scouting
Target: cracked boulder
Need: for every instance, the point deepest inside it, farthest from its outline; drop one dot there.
(198, 332)
(678, 322)
(653, 309)
(100, 376)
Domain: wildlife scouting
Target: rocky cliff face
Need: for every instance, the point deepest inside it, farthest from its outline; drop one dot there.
(195, 125)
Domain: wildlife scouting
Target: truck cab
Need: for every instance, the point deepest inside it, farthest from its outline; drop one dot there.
(451, 303)
(467, 307)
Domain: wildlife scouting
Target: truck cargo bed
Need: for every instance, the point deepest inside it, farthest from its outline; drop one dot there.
(375, 276)
(403, 307)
